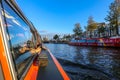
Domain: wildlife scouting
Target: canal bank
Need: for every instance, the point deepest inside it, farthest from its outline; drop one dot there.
(88, 63)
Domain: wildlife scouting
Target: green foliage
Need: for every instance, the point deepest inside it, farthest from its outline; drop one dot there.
(67, 37)
(77, 30)
(91, 24)
(92, 27)
(56, 37)
(113, 15)
(101, 30)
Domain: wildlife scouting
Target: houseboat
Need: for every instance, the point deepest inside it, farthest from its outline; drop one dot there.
(23, 56)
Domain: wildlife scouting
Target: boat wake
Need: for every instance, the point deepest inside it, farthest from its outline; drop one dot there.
(79, 71)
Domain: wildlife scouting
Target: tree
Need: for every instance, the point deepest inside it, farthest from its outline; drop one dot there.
(113, 15)
(90, 20)
(101, 30)
(56, 37)
(67, 37)
(77, 30)
(92, 25)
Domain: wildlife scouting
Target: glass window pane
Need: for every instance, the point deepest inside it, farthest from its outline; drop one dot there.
(20, 38)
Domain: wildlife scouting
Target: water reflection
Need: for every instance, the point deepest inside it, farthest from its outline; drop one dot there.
(107, 59)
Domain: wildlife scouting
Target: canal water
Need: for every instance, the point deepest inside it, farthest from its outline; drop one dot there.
(88, 63)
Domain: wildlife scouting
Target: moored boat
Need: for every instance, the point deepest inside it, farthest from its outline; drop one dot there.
(103, 42)
(23, 56)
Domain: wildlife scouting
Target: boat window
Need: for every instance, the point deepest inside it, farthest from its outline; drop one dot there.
(91, 41)
(82, 40)
(72, 41)
(19, 37)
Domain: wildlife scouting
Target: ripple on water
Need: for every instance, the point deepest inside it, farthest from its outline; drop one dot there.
(105, 59)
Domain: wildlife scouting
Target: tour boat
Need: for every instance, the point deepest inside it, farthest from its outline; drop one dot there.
(23, 56)
(103, 42)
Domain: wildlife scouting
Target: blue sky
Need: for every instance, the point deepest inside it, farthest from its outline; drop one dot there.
(59, 16)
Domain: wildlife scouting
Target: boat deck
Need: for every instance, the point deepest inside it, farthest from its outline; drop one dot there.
(50, 72)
